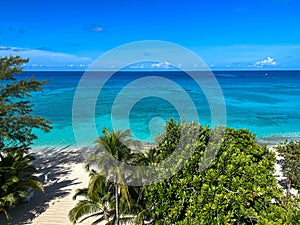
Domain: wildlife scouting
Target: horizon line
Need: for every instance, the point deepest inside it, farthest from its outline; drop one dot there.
(216, 70)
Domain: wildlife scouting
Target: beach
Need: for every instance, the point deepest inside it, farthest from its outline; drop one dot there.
(62, 172)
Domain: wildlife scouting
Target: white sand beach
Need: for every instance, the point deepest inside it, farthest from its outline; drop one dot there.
(62, 172)
(278, 172)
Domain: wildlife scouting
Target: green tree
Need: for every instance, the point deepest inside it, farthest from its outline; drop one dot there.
(228, 179)
(16, 125)
(116, 144)
(98, 200)
(16, 119)
(236, 188)
(291, 165)
(16, 178)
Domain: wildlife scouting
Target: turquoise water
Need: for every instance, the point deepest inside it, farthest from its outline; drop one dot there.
(266, 103)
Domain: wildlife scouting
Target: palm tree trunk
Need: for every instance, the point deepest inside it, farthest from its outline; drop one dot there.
(117, 199)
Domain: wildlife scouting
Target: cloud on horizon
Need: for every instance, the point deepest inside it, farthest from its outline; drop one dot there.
(266, 62)
(13, 49)
(44, 59)
(251, 56)
(152, 66)
(162, 65)
(217, 58)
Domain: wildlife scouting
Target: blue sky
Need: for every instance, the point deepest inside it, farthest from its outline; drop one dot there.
(232, 34)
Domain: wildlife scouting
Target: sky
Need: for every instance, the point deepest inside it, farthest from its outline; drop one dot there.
(227, 35)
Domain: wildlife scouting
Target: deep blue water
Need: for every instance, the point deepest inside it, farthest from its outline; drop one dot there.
(265, 102)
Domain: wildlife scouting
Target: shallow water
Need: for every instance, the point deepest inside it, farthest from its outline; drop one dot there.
(266, 103)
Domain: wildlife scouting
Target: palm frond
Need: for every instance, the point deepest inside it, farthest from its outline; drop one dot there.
(80, 192)
(33, 183)
(2, 209)
(83, 207)
(125, 194)
(97, 186)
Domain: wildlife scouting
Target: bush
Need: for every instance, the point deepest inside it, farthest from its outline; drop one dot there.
(237, 187)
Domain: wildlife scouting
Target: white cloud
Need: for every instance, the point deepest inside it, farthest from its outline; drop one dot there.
(152, 66)
(138, 66)
(97, 29)
(162, 65)
(245, 56)
(266, 62)
(13, 49)
(47, 59)
(217, 58)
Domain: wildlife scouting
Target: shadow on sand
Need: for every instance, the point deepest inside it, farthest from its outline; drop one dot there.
(54, 168)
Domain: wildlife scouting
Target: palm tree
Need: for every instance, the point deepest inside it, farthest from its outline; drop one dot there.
(98, 200)
(147, 158)
(16, 179)
(105, 195)
(117, 144)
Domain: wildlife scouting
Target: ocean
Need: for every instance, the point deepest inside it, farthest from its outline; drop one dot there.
(264, 102)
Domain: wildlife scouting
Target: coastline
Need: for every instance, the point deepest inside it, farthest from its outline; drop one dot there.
(275, 140)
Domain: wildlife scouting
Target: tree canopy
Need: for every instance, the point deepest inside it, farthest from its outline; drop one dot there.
(233, 185)
(16, 118)
(16, 132)
(238, 186)
(105, 197)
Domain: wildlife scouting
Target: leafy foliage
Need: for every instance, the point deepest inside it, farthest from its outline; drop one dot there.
(236, 188)
(291, 166)
(228, 179)
(16, 125)
(98, 199)
(16, 178)
(107, 197)
(15, 108)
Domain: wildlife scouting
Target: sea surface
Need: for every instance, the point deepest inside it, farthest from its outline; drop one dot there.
(265, 102)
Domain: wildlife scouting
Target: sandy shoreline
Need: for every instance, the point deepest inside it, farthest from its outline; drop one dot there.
(62, 172)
